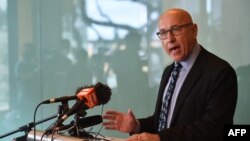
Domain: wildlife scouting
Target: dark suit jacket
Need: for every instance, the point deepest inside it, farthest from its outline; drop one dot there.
(206, 102)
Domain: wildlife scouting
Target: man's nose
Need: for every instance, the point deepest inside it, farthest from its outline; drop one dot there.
(170, 37)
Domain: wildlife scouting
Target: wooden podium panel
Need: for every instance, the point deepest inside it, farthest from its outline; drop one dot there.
(59, 137)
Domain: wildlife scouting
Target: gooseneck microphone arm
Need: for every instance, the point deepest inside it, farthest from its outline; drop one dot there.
(27, 127)
(60, 99)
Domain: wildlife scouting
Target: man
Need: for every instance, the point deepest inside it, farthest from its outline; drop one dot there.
(204, 92)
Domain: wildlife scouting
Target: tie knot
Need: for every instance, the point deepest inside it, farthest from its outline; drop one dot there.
(177, 66)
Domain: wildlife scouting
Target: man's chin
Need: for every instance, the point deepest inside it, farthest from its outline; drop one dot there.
(176, 58)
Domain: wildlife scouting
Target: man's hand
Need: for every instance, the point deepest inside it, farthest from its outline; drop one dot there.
(123, 122)
(144, 137)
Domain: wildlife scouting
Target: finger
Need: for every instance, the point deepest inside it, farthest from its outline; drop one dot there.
(110, 127)
(135, 137)
(108, 117)
(111, 124)
(111, 112)
(108, 123)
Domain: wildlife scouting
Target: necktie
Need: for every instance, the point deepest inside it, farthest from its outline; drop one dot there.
(167, 98)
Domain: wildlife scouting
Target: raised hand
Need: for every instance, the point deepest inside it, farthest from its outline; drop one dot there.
(123, 122)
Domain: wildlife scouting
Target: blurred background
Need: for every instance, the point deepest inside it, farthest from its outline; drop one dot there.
(49, 48)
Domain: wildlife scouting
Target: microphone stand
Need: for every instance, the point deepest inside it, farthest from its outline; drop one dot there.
(26, 128)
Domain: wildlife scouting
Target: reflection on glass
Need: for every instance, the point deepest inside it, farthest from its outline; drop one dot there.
(4, 73)
(54, 47)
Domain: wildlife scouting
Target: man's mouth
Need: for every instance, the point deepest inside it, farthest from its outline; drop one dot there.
(173, 49)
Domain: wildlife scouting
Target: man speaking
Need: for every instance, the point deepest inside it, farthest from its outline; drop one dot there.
(197, 94)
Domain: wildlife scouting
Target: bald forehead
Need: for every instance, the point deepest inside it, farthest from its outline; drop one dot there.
(179, 15)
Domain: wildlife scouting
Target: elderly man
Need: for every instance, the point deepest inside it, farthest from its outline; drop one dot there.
(197, 93)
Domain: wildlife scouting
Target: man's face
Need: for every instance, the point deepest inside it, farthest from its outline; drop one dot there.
(178, 47)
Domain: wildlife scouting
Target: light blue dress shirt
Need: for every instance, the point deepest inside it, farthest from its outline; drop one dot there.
(186, 66)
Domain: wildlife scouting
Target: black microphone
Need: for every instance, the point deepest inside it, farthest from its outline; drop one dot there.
(94, 95)
(60, 99)
(89, 121)
(82, 123)
(89, 97)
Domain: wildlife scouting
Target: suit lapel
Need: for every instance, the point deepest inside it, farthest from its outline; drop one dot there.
(166, 77)
(188, 84)
(164, 81)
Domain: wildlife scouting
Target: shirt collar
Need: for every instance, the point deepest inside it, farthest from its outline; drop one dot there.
(188, 63)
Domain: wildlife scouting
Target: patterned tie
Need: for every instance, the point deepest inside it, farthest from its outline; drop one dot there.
(167, 98)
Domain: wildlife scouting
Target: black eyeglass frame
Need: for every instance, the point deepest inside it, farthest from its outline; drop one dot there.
(175, 30)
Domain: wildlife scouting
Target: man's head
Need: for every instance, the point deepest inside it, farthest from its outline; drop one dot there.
(178, 33)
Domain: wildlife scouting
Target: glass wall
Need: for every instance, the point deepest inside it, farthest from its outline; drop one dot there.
(49, 48)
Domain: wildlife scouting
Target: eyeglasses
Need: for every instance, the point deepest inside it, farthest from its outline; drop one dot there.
(175, 30)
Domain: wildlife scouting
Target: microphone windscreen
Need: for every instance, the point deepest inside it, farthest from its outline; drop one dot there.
(103, 93)
(83, 107)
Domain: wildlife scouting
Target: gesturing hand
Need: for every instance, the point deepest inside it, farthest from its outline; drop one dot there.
(123, 122)
(144, 137)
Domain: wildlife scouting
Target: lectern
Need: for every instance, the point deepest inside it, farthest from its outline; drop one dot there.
(59, 137)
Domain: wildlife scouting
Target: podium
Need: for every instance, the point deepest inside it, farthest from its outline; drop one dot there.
(59, 137)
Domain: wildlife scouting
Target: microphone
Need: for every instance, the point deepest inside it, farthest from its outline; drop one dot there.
(82, 123)
(60, 99)
(89, 121)
(78, 129)
(88, 98)
(92, 95)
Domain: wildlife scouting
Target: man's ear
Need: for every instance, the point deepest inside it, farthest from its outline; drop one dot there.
(195, 30)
